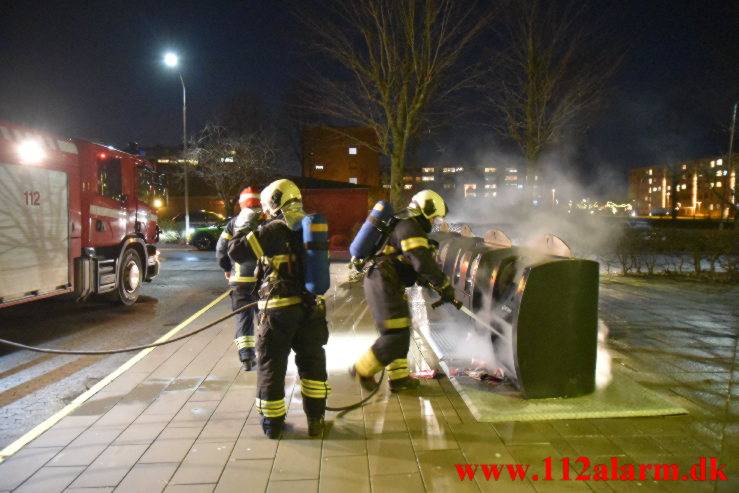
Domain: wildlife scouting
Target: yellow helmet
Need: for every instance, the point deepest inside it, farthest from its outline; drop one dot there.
(429, 203)
(277, 194)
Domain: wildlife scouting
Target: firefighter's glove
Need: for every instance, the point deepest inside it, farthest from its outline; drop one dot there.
(447, 294)
(433, 246)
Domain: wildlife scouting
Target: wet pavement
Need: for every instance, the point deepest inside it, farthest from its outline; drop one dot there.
(182, 417)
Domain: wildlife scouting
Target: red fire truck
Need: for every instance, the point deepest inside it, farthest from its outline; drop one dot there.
(75, 217)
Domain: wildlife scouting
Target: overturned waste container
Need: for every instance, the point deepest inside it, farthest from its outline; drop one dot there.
(539, 303)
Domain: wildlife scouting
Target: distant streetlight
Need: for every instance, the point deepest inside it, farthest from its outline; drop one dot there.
(172, 60)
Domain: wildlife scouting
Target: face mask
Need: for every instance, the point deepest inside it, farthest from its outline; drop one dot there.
(293, 214)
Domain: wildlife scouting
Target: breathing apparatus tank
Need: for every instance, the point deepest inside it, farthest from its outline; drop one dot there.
(372, 233)
(315, 240)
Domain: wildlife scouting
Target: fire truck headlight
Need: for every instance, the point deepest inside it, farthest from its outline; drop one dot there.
(31, 152)
(89, 251)
(157, 203)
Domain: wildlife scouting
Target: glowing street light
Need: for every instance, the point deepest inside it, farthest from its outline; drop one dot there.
(172, 60)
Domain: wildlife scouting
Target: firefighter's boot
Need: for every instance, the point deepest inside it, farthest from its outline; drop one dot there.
(272, 427)
(368, 383)
(405, 383)
(315, 426)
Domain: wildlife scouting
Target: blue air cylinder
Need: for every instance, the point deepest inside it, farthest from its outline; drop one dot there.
(315, 239)
(372, 231)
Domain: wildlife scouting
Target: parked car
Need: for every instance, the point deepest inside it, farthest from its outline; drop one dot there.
(198, 219)
(205, 238)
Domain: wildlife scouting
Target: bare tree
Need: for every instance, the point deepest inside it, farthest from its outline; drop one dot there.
(550, 72)
(229, 162)
(400, 59)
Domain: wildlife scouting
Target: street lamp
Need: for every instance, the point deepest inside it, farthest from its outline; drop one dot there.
(732, 168)
(172, 60)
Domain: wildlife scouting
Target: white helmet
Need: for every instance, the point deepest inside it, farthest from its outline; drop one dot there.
(429, 203)
(277, 194)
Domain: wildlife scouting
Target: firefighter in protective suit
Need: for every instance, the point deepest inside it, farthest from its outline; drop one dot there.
(240, 276)
(405, 258)
(290, 318)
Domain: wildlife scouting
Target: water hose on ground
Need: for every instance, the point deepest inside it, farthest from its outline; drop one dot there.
(128, 349)
(169, 341)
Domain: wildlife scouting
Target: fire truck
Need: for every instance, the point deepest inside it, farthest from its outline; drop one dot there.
(76, 218)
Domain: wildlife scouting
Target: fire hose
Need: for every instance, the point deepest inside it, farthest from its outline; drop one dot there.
(169, 341)
(457, 304)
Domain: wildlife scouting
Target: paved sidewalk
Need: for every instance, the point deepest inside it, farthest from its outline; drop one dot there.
(182, 418)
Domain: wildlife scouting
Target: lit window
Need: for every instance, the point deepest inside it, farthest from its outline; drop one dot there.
(710, 207)
(319, 166)
(352, 150)
(427, 178)
(649, 181)
(685, 166)
(713, 164)
(718, 172)
(448, 170)
(649, 172)
(511, 178)
(353, 180)
(407, 178)
(491, 185)
(719, 162)
(418, 178)
(491, 170)
(718, 184)
(408, 186)
(449, 185)
(428, 170)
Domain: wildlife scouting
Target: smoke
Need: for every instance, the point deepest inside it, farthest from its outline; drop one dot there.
(603, 374)
(561, 206)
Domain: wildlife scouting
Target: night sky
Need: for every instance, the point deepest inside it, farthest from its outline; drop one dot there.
(94, 70)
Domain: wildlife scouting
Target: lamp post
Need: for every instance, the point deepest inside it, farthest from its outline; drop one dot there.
(732, 169)
(172, 60)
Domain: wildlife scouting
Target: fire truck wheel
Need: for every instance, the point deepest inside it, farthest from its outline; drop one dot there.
(129, 279)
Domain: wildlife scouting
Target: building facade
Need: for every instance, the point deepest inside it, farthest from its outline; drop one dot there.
(338, 154)
(464, 181)
(702, 188)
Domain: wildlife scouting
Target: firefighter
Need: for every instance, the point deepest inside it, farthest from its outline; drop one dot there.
(240, 276)
(290, 318)
(405, 258)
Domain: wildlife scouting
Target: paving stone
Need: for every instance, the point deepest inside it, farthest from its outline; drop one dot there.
(50, 480)
(171, 445)
(149, 478)
(297, 459)
(86, 447)
(307, 486)
(339, 471)
(110, 467)
(245, 475)
(204, 462)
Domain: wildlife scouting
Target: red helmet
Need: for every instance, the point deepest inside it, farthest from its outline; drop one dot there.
(249, 198)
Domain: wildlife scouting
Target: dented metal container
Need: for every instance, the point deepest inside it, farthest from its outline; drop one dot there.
(541, 303)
